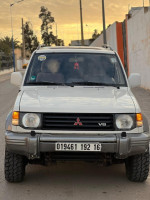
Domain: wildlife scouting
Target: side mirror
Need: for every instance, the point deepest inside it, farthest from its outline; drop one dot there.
(134, 80)
(16, 78)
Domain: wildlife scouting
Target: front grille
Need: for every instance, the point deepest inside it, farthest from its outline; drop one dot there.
(78, 122)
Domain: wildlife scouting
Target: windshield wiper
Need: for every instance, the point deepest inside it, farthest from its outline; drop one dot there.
(89, 83)
(44, 83)
(49, 83)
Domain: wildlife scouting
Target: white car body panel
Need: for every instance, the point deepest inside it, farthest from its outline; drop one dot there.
(17, 102)
(77, 100)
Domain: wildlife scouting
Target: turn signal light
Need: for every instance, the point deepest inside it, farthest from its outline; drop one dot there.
(139, 119)
(15, 118)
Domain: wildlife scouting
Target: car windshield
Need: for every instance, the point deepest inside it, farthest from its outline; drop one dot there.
(75, 69)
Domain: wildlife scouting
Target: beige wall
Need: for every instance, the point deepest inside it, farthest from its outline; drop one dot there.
(139, 44)
(111, 38)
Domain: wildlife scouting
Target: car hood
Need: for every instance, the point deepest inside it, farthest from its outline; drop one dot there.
(77, 100)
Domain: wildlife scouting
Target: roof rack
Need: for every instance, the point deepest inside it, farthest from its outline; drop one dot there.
(40, 46)
(43, 46)
(66, 47)
(106, 46)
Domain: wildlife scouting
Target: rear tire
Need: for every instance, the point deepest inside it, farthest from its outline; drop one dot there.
(14, 167)
(137, 167)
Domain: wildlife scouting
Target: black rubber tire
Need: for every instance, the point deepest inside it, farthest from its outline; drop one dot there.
(14, 167)
(137, 167)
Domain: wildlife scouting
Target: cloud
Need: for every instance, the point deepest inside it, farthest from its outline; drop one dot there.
(66, 13)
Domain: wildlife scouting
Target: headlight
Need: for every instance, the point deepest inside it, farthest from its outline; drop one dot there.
(31, 120)
(124, 122)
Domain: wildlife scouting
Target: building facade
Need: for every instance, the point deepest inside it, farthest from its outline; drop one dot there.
(131, 39)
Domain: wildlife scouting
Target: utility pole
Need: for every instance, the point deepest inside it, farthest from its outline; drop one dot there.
(23, 42)
(88, 31)
(56, 35)
(13, 46)
(104, 26)
(128, 8)
(143, 4)
(81, 18)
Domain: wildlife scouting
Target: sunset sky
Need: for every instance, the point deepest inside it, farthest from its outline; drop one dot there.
(66, 14)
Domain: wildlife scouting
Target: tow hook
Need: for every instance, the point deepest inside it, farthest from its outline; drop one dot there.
(33, 133)
(123, 134)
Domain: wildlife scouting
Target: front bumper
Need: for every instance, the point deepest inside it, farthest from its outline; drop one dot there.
(32, 147)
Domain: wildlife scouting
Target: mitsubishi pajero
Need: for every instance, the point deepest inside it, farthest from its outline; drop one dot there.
(76, 103)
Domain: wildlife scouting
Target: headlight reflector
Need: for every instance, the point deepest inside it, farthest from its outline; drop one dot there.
(31, 120)
(124, 122)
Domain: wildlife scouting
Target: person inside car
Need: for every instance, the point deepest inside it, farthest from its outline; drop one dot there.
(50, 72)
(108, 71)
(103, 72)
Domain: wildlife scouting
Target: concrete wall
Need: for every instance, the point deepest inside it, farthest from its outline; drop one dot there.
(111, 38)
(20, 63)
(131, 39)
(6, 71)
(139, 44)
(78, 43)
(114, 39)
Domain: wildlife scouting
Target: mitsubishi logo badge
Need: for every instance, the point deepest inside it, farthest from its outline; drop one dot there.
(78, 122)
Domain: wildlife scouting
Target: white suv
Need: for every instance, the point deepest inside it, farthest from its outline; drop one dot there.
(75, 103)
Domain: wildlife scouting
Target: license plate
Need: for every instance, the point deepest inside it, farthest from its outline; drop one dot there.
(78, 146)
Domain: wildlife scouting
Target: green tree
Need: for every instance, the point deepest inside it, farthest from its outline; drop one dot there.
(31, 41)
(95, 34)
(46, 26)
(59, 42)
(6, 45)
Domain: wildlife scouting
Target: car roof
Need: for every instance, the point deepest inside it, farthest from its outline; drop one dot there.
(75, 49)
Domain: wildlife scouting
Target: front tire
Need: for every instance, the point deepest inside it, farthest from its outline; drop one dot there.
(14, 167)
(137, 167)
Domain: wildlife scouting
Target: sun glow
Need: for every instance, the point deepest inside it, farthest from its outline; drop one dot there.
(66, 14)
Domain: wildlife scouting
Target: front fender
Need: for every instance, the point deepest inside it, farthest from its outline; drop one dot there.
(8, 124)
